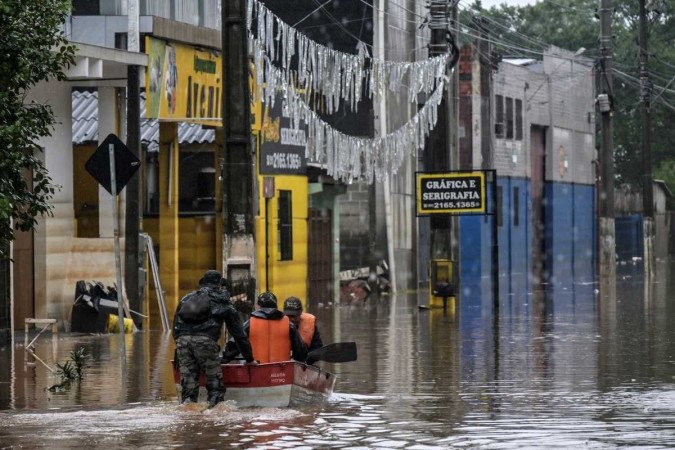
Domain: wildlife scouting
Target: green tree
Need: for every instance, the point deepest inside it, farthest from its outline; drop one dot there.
(33, 48)
(572, 24)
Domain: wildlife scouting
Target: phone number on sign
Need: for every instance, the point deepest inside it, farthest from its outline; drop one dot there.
(451, 205)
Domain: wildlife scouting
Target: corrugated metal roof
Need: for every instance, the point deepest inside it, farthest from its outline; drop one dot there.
(85, 124)
(85, 120)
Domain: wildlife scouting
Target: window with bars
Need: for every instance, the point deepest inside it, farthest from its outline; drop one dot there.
(519, 120)
(499, 116)
(285, 227)
(509, 118)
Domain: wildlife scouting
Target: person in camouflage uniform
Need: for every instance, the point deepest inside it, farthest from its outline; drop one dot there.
(197, 346)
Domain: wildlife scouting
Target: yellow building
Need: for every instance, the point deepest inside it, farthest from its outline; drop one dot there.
(183, 182)
(281, 222)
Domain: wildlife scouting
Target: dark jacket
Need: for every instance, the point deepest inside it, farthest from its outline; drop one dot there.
(298, 348)
(221, 311)
(316, 340)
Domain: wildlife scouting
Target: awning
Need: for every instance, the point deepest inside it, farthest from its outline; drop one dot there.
(85, 124)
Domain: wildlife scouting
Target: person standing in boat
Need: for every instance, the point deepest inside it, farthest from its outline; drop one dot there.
(197, 324)
(273, 337)
(304, 322)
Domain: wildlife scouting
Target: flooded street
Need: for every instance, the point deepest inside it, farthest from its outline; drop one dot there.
(566, 367)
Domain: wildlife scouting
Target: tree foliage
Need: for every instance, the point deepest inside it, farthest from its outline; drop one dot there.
(32, 49)
(572, 24)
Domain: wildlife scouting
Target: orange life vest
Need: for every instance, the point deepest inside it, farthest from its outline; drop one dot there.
(307, 324)
(270, 339)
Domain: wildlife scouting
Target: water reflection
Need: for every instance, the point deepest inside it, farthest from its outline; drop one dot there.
(567, 365)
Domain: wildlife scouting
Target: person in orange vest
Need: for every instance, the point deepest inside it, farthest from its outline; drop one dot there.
(304, 322)
(272, 335)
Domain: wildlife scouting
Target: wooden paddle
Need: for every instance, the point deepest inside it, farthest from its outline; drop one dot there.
(334, 353)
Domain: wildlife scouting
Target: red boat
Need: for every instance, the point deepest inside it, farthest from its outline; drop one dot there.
(287, 383)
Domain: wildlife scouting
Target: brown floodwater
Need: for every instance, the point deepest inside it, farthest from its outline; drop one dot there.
(565, 366)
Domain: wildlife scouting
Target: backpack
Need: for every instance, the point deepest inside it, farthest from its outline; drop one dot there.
(195, 308)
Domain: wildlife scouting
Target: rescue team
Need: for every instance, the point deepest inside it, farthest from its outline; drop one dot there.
(270, 335)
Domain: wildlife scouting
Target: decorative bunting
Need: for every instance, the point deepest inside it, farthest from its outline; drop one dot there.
(339, 76)
(348, 158)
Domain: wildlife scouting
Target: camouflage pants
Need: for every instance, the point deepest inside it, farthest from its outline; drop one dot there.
(199, 354)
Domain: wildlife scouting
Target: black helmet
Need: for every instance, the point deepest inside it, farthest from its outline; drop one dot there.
(292, 306)
(267, 300)
(211, 278)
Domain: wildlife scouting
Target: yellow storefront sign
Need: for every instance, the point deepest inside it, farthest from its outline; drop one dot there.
(183, 83)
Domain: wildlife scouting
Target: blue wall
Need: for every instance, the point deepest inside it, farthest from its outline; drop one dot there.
(570, 232)
(570, 240)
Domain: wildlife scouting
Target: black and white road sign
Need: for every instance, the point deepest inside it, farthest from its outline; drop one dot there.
(126, 164)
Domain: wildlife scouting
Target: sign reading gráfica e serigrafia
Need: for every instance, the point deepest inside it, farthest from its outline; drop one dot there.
(450, 193)
(282, 147)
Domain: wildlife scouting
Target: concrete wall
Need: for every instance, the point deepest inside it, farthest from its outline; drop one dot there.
(557, 94)
(60, 258)
(53, 234)
(629, 226)
(355, 244)
(100, 30)
(563, 95)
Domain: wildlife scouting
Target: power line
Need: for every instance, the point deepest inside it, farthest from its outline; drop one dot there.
(397, 5)
(319, 25)
(632, 78)
(342, 27)
(305, 18)
(505, 27)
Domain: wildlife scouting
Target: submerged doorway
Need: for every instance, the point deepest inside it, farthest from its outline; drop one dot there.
(320, 257)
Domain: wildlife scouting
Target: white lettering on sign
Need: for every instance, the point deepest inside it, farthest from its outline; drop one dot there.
(284, 161)
(278, 377)
(290, 136)
(448, 184)
(467, 195)
(451, 193)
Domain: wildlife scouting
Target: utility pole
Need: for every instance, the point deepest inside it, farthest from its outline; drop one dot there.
(238, 168)
(606, 232)
(133, 193)
(437, 155)
(647, 184)
(487, 65)
(454, 144)
(484, 55)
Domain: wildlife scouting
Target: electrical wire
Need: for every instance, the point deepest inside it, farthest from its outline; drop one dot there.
(397, 5)
(295, 25)
(510, 43)
(342, 27)
(326, 24)
(658, 99)
(507, 29)
(663, 89)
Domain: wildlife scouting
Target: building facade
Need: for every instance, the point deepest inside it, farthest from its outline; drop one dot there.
(180, 176)
(540, 139)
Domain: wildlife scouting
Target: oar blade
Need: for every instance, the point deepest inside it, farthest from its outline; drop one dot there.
(334, 353)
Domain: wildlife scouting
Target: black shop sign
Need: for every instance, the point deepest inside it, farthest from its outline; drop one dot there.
(451, 193)
(282, 147)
